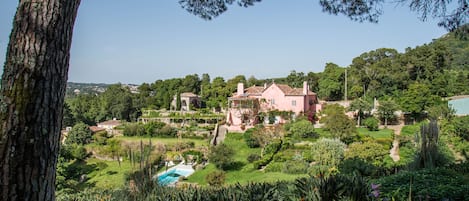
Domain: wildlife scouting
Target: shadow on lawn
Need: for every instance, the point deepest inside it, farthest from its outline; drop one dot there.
(237, 165)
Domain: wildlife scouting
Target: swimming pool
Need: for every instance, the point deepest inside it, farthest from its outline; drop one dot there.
(460, 105)
(172, 176)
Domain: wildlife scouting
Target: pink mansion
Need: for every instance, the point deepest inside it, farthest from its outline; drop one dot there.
(246, 104)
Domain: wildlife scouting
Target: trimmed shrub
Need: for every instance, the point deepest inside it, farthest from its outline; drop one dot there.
(263, 162)
(273, 147)
(100, 137)
(249, 139)
(167, 131)
(371, 123)
(194, 154)
(78, 152)
(274, 167)
(369, 151)
(281, 157)
(222, 156)
(269, 152)
(253, 157)
(134, 129)
(295, 167)
(357, 166)
(301, 129)
(216, 178)
(328, 152)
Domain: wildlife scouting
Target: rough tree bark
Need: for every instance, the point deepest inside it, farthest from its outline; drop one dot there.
(32, 96)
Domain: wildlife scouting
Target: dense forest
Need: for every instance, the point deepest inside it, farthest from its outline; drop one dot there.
(414, 79)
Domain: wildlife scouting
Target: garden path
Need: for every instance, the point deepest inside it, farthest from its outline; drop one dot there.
(394, 152)
(220, 135)
(222, 130)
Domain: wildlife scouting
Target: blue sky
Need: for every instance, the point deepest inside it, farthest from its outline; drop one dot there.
(145, 40)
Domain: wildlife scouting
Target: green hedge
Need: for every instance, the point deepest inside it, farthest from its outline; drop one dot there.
(428, 184)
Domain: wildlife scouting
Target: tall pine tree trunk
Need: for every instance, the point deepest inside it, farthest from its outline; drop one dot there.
(32, 96)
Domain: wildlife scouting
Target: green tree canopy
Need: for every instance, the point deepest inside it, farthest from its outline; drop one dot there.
(369, 72)
(85, 108)
(338, 124)
(222, 156)
(68, 119)
(216, 95)
(362, 107)
(331, 82)
(361, 11)
(116, 102)
(80, 134)
(328, 152)
(386, 110)
(191, 83)
(296, 79)
(301, 129)
(369, 151)
(418, 98)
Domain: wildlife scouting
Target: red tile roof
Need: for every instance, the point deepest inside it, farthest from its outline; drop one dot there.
(287, 90)
(95, 129)
(254, 90)
(284, 88)
(258, 90)
(299, 92)
(188, 94)
(110, 123)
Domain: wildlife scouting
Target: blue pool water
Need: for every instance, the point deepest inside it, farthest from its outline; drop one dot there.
(172, 176)
(460, 105)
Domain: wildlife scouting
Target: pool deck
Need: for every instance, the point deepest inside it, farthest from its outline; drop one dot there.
(187, 168)
(457, 97)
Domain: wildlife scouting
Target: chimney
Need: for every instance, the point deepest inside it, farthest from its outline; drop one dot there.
(305, 88)
(240, 89)
(265, 85)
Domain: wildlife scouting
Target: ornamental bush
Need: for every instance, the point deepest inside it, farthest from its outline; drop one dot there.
(222, 156)
(301, 129)
(371, 123)
(216, 178)
(329, 152)
(249, 139)
(253, 157)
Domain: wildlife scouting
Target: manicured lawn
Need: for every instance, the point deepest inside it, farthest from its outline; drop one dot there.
(380, 134)
(244, 172)
(108, 174)
(323, 133)
(167, 141)
(242, 151)
(243, 176)
(259, 176)
(410, 130)
(199, 175)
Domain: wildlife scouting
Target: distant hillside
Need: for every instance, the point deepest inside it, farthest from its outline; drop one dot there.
(458, 45)
(85, 88)
(74, 88)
